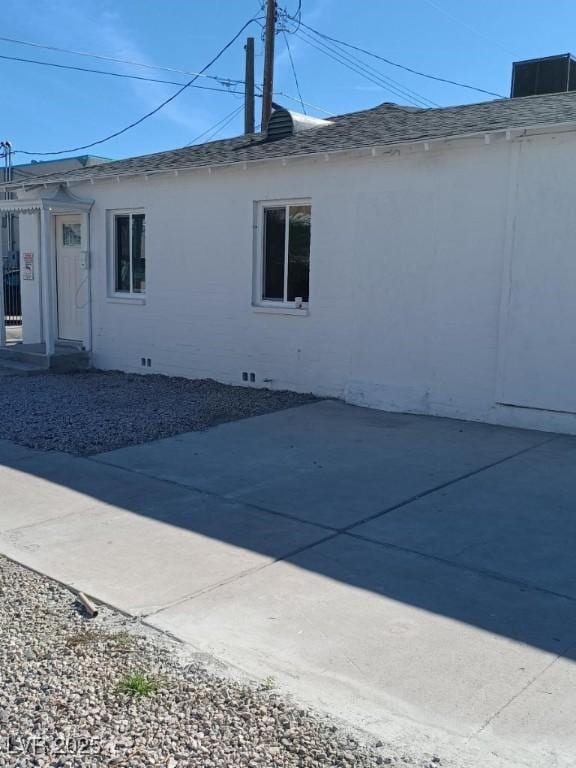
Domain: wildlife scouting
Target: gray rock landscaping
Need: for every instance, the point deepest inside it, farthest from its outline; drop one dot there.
(88, 412)
(107, 691)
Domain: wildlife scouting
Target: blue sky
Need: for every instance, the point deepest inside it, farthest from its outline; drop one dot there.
(45, 109)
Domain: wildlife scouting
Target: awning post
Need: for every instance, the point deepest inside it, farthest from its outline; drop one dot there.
(46, 282)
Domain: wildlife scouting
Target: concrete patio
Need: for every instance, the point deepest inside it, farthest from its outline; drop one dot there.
(415, 576)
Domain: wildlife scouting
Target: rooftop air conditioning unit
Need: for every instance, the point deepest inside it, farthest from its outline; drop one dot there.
(553, 74)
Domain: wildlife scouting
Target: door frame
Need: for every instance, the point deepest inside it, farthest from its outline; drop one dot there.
(55, 217)
(61, 204)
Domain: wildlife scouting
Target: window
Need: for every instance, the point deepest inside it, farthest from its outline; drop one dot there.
(129, 267)
(71, 234)
(285, 253)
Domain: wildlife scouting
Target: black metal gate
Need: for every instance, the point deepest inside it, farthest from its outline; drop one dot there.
(12, 298)
(9, 255)
(11, 287)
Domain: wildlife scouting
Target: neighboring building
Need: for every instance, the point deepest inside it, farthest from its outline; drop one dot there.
(417, 260)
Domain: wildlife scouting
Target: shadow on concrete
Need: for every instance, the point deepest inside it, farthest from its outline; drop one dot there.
(466, 521)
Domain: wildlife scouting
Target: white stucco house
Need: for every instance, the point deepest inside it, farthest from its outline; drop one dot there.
(419, 260)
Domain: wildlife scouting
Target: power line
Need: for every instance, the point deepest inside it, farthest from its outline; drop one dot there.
(295, 17)
(226, 123)
(403, 88)
(293, 69)
(116, 74)
(219, 126)
(396, 87)
(307, 103)
(157, 80)
(401, 66)
(360, 66)
(468, 26)
(153, 111)
(365, 72)
(47, 47)
(331, 54)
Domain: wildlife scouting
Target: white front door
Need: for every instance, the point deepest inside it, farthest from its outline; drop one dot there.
(71, 278)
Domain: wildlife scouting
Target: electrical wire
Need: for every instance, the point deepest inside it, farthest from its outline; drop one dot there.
(295, 17)
(362, 70)
(213, 134)
(299, 101)
(346, 63)
(231, 117)
(158, 80)
(391, 84)
(468, 26)
(219, 126)
(47, 47)
(293, 70)
(153, 111)
(115, 74)
(387, 78)
(401, 66)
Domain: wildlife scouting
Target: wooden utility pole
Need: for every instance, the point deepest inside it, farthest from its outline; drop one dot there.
(249, 87)
(268, 85)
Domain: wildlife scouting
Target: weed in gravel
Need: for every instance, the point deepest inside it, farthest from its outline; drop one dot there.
(114, 642)
(138, 684)
(84, 637)
(121, 641)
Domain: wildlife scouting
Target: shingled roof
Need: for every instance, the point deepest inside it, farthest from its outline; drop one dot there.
(382, 126)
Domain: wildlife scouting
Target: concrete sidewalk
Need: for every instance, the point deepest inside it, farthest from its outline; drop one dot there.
(410, 574)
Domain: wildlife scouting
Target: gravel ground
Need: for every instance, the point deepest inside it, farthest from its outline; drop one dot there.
(93, 411)
(61, 702)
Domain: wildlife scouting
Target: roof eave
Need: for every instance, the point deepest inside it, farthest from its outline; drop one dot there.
(511, 132)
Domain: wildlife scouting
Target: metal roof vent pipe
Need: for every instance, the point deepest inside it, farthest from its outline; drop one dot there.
(284, 123)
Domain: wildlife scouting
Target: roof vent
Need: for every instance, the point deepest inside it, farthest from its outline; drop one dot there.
(553, 74)
(284, 123)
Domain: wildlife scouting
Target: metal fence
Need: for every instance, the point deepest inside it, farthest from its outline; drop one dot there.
(9, 256)
(11, 287)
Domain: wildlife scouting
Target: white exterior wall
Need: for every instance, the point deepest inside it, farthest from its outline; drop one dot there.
(30, 290)
(413, 258)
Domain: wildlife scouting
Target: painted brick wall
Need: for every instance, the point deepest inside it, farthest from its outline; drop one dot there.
(410, 274)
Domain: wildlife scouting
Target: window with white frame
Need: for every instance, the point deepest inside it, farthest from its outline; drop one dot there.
(284, 253)
(128, 252)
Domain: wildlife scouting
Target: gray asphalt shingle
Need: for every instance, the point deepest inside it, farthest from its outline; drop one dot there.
(385, 125)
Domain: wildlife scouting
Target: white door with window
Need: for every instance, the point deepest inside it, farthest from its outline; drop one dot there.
(71, 278)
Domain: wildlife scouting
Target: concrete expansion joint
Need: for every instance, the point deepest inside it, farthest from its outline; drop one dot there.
(524, 585)
(20, 459)
(37, 524)
(334, 532)
(447, 484)
(239, 576)
(523, 689)
(214, 495)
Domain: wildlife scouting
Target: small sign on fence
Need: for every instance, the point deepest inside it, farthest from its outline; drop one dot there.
(28, 273)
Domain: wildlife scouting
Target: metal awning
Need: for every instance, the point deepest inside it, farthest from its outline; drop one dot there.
(61, 200)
